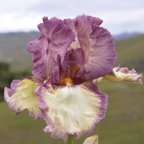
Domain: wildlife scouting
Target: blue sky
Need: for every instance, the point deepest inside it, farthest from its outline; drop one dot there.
(118, 16)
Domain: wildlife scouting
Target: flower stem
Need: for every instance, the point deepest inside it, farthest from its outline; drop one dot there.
(69, 140)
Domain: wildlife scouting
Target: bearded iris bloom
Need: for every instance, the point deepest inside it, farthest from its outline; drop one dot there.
(68, 61)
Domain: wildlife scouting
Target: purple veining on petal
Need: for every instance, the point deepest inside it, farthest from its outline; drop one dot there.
(73, 61)
(80, 41)
(55, 39)
(94, 21)
(75, 56)
(35, 48)
(43, 106)
(13, 86)
(98, 46)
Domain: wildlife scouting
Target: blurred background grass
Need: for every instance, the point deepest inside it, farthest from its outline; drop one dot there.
(124, 121)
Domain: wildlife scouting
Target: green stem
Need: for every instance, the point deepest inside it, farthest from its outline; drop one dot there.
(69, 140)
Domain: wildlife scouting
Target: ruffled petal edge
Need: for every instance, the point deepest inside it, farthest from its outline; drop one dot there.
(89, 88)
(119, 74)
(21, 96)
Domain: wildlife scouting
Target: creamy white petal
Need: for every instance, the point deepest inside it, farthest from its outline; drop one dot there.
(72, 109)
(124, 74)
(21, 96)
(91, 140)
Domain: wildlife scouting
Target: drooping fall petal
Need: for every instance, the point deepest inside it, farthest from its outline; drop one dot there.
(72, 109)
(21, 96)
(124, 74)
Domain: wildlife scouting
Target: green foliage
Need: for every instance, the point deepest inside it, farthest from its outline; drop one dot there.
(6, 76)
(4, 66)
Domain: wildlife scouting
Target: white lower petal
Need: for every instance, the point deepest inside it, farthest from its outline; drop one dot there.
(72, 109)
(119, 74)
(21, 96)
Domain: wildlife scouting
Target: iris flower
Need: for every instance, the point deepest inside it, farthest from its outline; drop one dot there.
(69, 59)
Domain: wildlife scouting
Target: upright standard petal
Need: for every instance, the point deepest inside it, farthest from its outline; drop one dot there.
(53, 43)
(21, 96)
(124, 74)
(74, 59)
(98, 46)
(72, 109)
(36, 48)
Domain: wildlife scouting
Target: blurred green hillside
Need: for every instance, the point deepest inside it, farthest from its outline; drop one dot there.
(13, 49)
(124, 121)
(131, 52)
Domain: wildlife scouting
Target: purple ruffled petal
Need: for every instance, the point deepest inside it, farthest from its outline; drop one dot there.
(71, 110)
(98, 46)
(53, 43)
(11, 91)
(36, 49)
(72, 48)
(74, 59)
